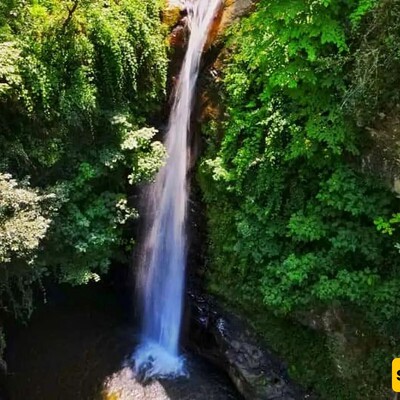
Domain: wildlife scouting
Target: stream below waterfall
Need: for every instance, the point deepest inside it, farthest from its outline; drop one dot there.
(79, 341)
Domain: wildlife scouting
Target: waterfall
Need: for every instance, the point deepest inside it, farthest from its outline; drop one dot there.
(162, 265)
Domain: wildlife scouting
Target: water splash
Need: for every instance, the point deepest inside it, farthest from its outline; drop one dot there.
(162, 271)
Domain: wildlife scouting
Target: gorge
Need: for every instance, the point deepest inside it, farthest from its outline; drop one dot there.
(199, 200)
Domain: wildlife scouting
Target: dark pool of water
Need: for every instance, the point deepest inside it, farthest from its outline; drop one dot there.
(82, 337)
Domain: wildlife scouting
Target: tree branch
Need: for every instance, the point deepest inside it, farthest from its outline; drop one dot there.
(70, 14)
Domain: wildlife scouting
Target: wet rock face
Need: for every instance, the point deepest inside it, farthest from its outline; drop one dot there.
(383, 157)
(174, 16)
(230, 12)
(235, 9)
(176, 19)
(223, 339)
(178, 36)
(348, 337)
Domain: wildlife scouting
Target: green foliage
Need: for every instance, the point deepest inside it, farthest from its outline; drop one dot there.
(79, 80)
(9, 74)
(66, 68)
(92, 216)
(292, 216)
(24, 222)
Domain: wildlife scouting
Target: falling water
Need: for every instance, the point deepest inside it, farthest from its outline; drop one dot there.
(162, 272)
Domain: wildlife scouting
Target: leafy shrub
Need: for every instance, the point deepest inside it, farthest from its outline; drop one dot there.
(291, 212)
(296, 223)
(24, 222)
(78, 79)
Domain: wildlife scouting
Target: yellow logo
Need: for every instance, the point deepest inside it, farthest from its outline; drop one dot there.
(396, 375)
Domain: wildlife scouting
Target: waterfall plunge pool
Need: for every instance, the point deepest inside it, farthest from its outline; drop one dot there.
(75, 347)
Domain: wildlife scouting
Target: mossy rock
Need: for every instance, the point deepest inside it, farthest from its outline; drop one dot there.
(171, 16)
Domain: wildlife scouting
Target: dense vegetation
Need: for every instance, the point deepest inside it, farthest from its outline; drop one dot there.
(298, 220)
(297, 176)
(79, 81)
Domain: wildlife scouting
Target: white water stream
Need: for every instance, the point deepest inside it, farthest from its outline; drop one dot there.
(162, 270)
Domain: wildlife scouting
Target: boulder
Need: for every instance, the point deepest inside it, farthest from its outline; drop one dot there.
(224, 339)
(230, 12)
(235, 9)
